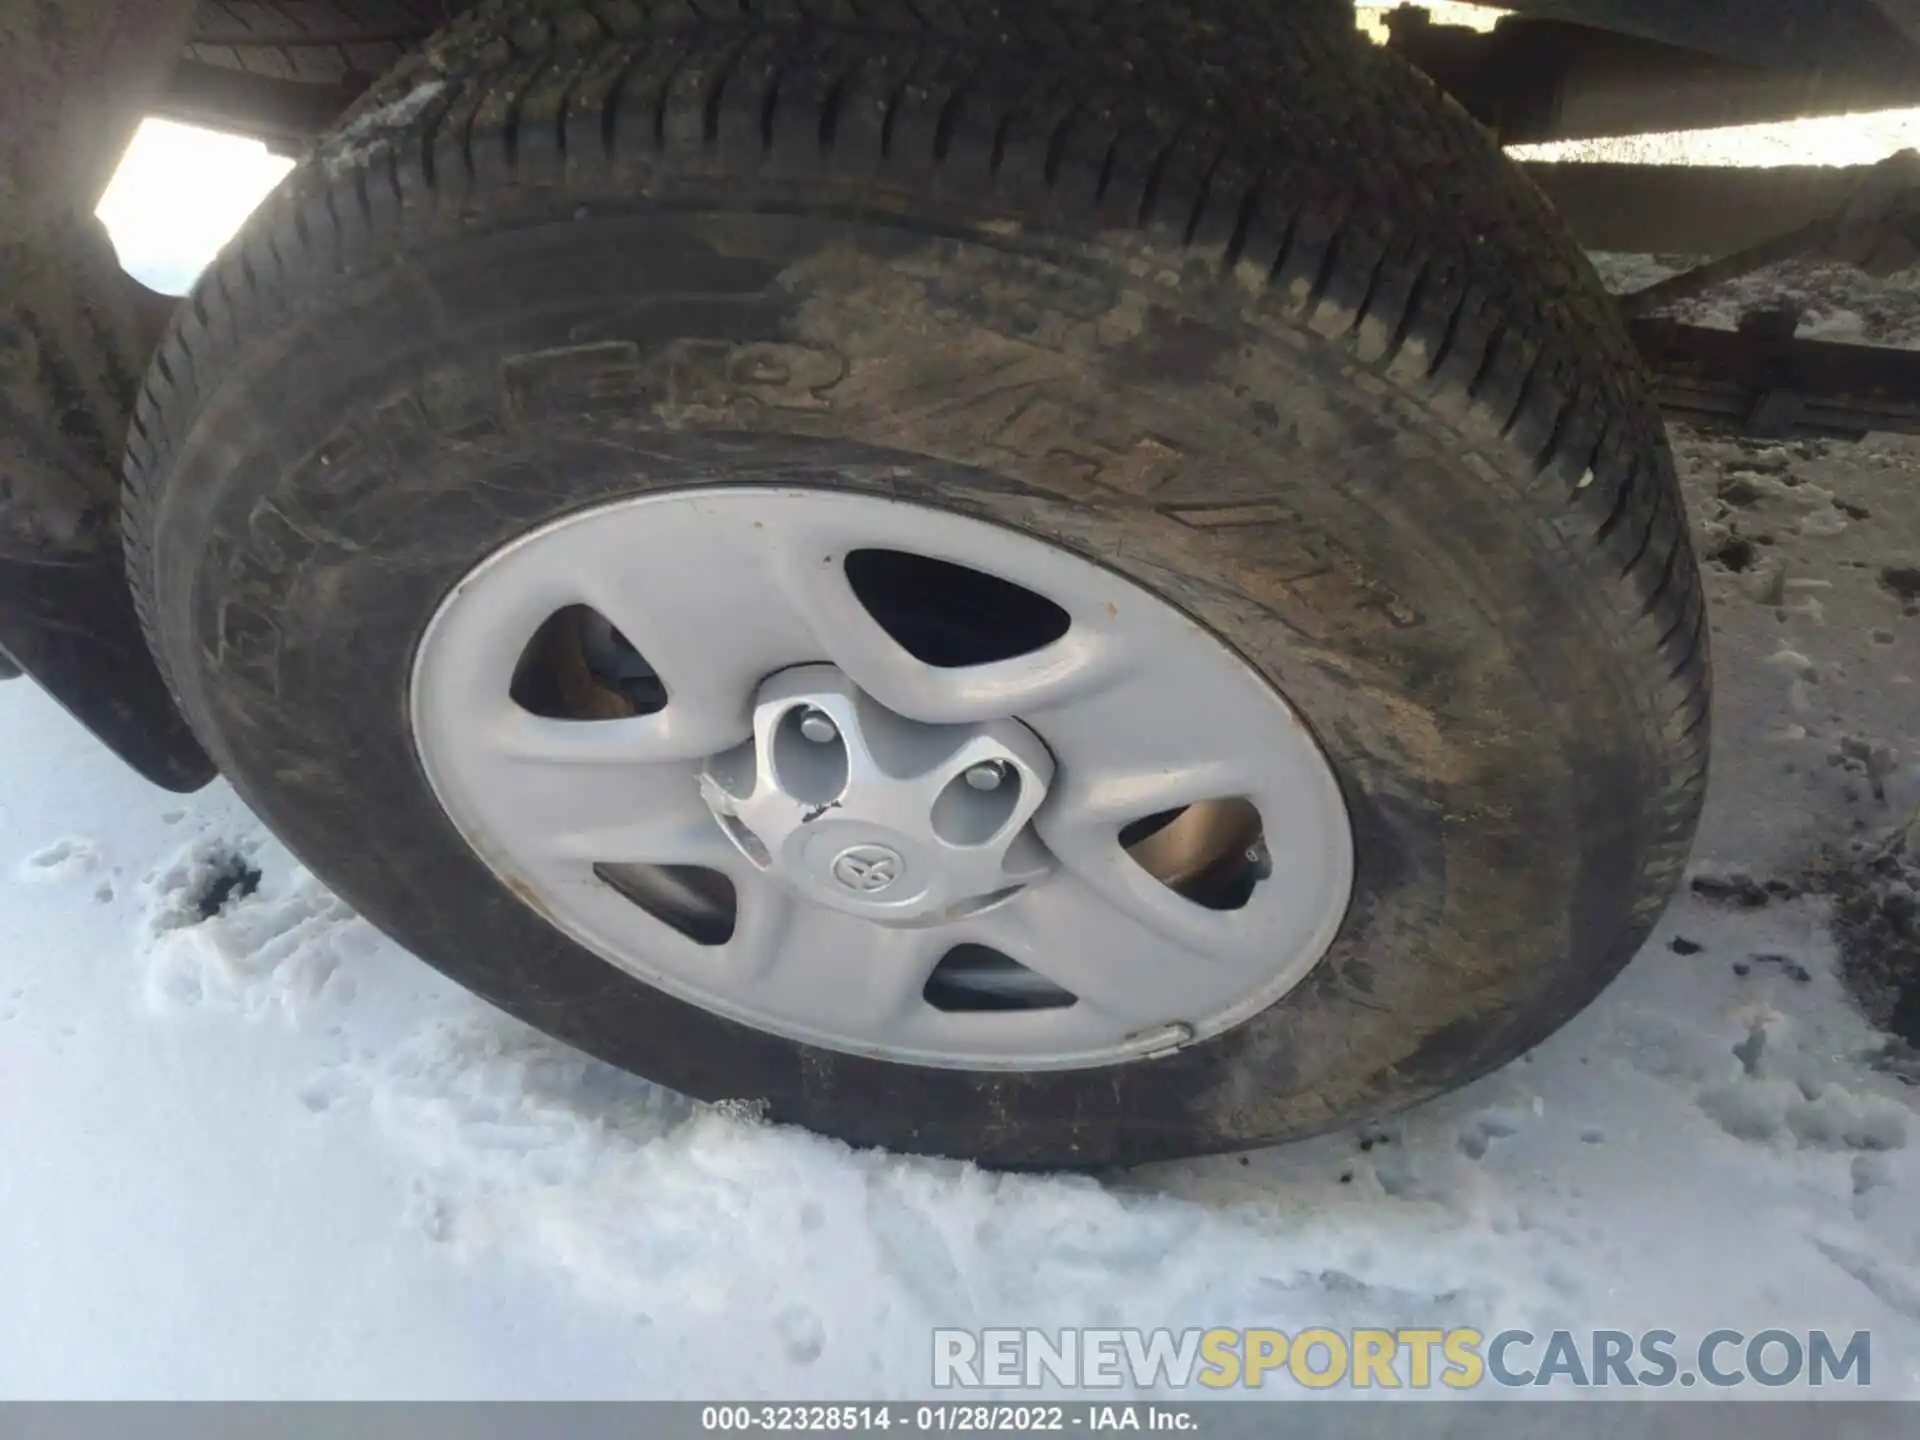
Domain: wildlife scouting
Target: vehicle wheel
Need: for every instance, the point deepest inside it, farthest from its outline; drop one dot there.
(1065, 584)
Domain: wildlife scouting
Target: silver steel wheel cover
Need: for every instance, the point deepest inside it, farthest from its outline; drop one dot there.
(721, 589)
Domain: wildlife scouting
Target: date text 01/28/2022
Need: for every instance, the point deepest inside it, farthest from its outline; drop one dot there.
(956, 1418)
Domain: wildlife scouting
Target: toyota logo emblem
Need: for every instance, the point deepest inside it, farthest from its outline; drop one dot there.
(867, 869)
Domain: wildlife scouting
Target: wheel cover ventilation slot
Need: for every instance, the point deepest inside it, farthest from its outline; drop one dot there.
(578, 666)
(980, 979)
(951, 616)
(697, 902)
(1212, 853)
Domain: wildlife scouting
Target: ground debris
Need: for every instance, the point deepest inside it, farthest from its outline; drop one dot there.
(1734, 888)
(232, 877)
(1875, 895)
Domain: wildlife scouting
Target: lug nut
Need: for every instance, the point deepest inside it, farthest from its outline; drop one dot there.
(817, 727)
(987, 775)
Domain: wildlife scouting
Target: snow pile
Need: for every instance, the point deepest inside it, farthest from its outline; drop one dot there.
(213, 936)
(64, 859)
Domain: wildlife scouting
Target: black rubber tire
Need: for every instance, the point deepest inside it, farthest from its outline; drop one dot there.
(317, 42)
(1217, 294)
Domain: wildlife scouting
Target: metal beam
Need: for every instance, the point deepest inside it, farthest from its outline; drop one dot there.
(1688, 210)
(1533, 80)
(1777, 386)
(1858, 36)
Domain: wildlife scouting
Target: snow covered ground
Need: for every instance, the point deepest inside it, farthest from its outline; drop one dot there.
(248, 1147)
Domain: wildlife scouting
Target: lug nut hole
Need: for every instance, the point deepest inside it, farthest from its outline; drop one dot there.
(809, 756)
(969, 813)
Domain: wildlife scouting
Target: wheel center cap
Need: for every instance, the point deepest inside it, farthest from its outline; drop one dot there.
(855, 807)
(868, 869)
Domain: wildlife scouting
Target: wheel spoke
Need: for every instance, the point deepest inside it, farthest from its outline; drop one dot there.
(838, 970)
(602, 811)
(1084, 836)
(674, 736)
(763, 922)
(811, 572)
(1065, 930)
(1132, 760)
(1129, 751)
(712, 623)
